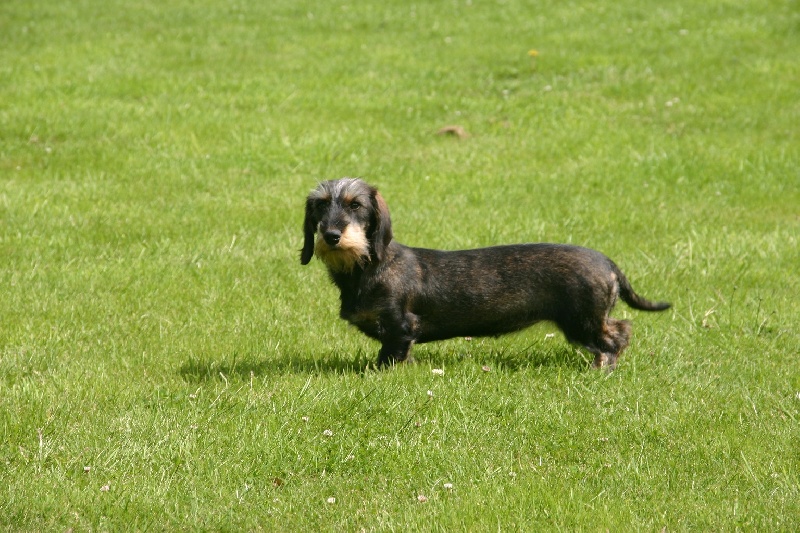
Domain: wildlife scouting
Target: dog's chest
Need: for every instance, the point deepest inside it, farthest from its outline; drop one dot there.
(358, 311)
(367, 320)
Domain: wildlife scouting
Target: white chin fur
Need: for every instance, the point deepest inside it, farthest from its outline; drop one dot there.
(352, 250)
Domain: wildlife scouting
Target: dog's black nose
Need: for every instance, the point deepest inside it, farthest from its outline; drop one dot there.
(332, 237)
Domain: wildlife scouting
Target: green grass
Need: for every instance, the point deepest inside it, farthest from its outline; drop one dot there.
(166, 363)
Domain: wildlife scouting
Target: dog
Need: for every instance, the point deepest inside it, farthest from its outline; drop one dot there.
(400, 295)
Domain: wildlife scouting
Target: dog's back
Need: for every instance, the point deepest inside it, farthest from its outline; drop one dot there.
(500, 289)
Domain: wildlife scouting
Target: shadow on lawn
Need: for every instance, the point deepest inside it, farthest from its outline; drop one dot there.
(562, 356)
(331, 363)
(196, 370)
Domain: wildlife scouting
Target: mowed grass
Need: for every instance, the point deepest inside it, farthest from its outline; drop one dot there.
(166, 363)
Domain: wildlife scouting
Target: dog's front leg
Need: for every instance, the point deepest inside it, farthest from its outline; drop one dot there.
(395, 351)
(398, 336)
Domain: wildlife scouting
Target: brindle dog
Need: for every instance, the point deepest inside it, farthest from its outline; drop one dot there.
(401, 295)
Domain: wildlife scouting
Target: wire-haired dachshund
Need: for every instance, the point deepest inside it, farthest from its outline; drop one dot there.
(401, 295)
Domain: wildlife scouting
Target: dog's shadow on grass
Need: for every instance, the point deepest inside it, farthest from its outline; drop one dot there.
(332, 362)
(514, 359)
(196, 370)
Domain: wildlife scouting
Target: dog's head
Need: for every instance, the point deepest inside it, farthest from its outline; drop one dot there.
(347, 224)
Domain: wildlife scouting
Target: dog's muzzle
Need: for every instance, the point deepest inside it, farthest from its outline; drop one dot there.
(332, 237)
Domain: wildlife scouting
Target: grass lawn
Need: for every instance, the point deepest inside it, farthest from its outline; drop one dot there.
(167, 364)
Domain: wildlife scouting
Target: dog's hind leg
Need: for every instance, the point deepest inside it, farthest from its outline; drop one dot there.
(615, 338)
(606, 340)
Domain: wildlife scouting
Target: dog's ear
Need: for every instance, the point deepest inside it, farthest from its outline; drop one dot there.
(381, 234)
(309, 229)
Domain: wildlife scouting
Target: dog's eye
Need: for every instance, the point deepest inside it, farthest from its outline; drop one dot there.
(355, 206)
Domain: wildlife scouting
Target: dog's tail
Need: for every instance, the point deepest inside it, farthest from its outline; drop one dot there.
(630, 297)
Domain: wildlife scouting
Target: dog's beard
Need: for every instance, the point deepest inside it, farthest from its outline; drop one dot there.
(352, 250)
